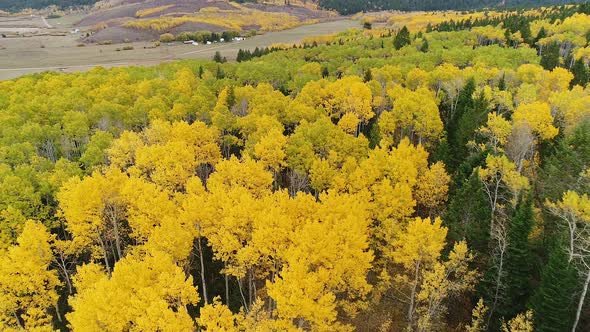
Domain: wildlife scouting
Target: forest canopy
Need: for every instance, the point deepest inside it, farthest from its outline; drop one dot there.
(347, 7)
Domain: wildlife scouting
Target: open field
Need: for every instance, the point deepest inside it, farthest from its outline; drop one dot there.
(25, 55)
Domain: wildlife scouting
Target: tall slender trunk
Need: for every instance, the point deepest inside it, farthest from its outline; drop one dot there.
(113, 210)
(249, 287)
(226, 290)
(203, 283)
(498, 282)
(20, 325)
(581, 301)
(105, 257)
(413, 295)
(57, 313)
(242, 294)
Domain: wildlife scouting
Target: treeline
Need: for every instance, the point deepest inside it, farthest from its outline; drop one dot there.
(347, 7)
(12, 6)
(200, 36)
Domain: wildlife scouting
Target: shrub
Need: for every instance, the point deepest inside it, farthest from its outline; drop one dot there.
(166, 37)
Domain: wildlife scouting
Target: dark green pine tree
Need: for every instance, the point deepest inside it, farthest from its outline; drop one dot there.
(553, 303)
(542, 34)
(581, 75)
(468, 216)
(368, 75)
(402, 38)
(217, 57)
(550, 56)
(425, 46)
(231, 97)
(518, 260)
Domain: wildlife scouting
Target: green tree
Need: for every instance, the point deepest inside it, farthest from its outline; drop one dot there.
(581, 74)
(550, 56)
(553, 301)
(518, 260)
(402, 38)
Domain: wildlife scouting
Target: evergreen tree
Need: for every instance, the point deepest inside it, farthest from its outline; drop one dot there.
(581, 75)
(231, 97)
(553, 302)
(468, 216)
(518, 260)
(550, 57)
(217, 57)
(502, 83)
(540, 35)
(368, 75)
(219, 74)
(402, 38)
(424, 48)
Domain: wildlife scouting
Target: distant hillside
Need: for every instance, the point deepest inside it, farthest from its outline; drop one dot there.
(16, 5)
(355, 6)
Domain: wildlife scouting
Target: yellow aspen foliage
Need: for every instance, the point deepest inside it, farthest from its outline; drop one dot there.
(426, 281)
(144, 293)
(573, 207)
(538, 116)
(501, 171)
(416, 78)
(573, 106)
(420, 244)
(121, 154)
(347, 95)
(444, 280)
(173, 152)
(349, 123)
(478, 318)
(270, 150)
(523, 322)
(530, 73)
(433, 187)
(310, 288)
(94, 209)
(497, 130)
(234, 192)
(146, 206)
(527, 93)
(184, 82)
(321, 175)
(216, 317)
(388, 75)
(27, 286)
(415, 113)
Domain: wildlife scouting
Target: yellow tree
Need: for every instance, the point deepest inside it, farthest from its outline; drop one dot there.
(145, 293)
(325, 269)
(426, 281)
(95, 211)
(27, 286)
